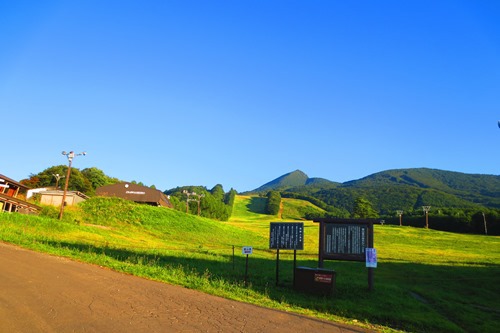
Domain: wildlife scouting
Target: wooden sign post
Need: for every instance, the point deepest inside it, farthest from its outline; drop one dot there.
(247, 250)
(346, 239)
(286, 236)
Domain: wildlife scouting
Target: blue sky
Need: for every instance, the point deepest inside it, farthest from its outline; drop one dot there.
(174, 93)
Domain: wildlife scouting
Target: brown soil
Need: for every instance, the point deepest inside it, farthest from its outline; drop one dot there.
(42, 293)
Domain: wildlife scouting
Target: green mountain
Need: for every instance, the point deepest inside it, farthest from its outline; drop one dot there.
(293, 179)
(406, 189)
(466, 188)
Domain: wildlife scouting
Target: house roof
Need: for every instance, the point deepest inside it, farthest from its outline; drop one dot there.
(12, 181)
(135, 193)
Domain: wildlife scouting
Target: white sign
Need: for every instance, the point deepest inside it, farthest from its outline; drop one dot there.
(247, 250)
(371, 257)
(135, 192)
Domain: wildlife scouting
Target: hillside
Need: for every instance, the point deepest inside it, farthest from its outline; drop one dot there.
(426, 281)
(406, 189)
(252, 209)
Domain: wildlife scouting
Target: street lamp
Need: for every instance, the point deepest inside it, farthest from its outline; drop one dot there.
(426, 210)
(70, 157)
(400, 214)
(58, 177)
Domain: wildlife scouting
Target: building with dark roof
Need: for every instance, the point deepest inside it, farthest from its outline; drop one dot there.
(136, 193)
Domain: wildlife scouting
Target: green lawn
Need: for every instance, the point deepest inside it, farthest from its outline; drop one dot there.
(426, 280)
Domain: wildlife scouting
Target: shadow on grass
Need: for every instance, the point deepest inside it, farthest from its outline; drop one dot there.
(408, 296)
(257, 205)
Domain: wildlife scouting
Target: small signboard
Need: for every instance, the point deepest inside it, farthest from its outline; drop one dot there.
(286, 236)
(371, 257)
(247, 250)
(323, 278)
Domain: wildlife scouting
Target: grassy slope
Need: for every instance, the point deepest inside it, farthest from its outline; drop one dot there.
(248, 214)
(426, 280)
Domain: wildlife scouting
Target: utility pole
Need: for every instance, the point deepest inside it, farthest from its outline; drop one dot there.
(187, 193)
(426, 210)
(485, 228)
(400, 213)
(70, 157)
(198, 200)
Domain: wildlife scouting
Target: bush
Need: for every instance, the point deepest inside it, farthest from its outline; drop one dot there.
(273, 202)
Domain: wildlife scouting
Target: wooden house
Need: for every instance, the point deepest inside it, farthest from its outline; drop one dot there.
(9, 200)
(136, 193)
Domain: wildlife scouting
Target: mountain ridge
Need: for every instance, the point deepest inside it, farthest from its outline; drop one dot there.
(395, 188)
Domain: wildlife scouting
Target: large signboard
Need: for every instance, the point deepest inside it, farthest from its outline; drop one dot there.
(345, 239)
(286, 236)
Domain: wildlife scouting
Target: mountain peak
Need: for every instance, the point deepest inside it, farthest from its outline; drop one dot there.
(291, 179)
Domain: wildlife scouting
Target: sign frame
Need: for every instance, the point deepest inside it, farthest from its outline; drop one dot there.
(286, 235)
(357, 231)
(345, 232)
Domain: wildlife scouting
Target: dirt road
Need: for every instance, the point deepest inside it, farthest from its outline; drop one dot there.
(42, 293)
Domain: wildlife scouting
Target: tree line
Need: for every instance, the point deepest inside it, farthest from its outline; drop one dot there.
(214, 203)
(462, 220)
(85, 181)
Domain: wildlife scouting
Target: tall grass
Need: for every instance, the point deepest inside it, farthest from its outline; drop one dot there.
(427, 281)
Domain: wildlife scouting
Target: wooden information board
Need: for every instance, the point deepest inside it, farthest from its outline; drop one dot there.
(286, 235)
(345, 239)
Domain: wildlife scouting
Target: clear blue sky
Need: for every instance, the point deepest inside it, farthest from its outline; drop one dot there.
(174, 93)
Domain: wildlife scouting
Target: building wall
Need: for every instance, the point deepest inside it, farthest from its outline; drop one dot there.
(55, 199)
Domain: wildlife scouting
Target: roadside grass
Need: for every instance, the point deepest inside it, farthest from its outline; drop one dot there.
(427, 281)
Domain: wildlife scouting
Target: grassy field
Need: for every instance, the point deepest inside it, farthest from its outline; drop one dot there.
(426, 281)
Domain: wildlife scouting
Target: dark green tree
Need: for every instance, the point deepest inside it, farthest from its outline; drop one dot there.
(363, 209)
(97, 178)
(217, 192)
(273, 202)
(229, 197)
(77, 181)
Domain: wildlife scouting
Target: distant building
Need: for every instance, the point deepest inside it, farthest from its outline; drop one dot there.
(54, 197)
(33, 192)
(9, 201)
(136, 193)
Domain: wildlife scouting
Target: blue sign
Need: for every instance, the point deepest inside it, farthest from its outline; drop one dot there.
(371, 257)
